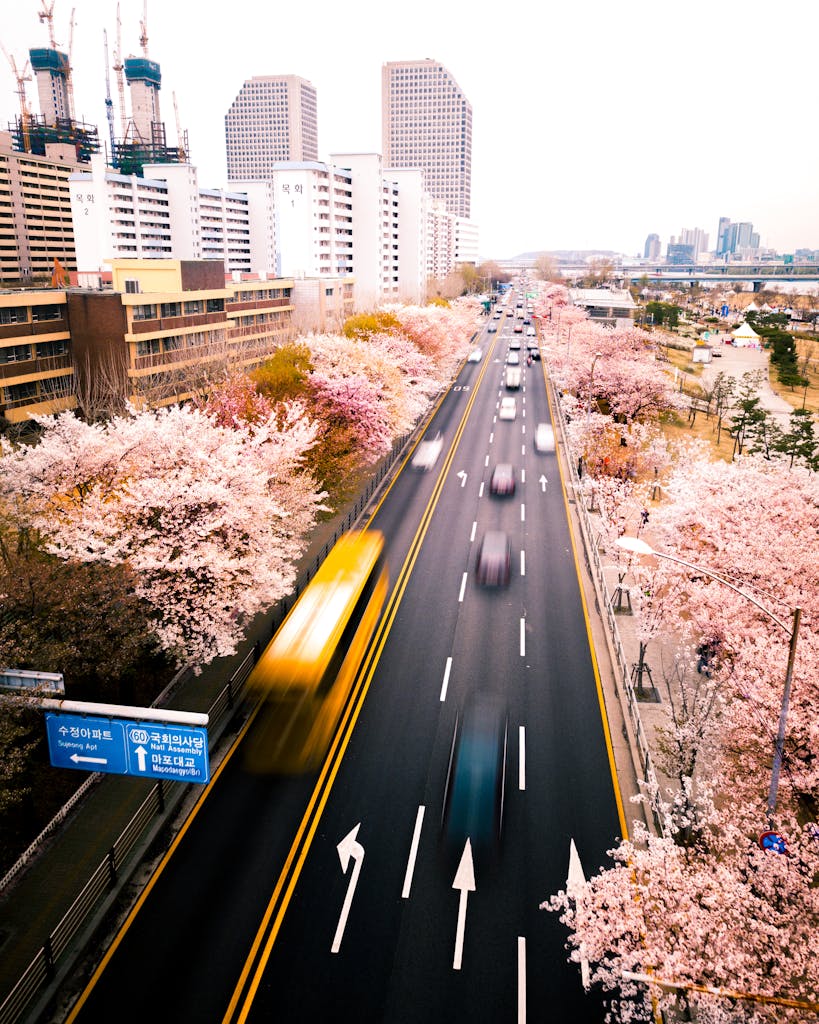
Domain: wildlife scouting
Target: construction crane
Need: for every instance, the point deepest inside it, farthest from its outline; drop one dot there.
(183, 156)
(143, 30)
(69, 84)
(47, 15)
(21, 77)
(119, 69)
(109, 103)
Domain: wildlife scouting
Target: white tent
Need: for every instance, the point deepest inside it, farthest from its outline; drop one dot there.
(752, 307)
(745, 336)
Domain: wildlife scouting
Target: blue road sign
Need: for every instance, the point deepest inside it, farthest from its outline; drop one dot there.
(773, 841)
(150, 750)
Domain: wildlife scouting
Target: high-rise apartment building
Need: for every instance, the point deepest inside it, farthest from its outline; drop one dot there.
(426, 122)
(36, 224)
(272, 120)
(696, 238)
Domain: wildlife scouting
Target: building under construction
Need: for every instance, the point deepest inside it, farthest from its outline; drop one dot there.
(142, 136)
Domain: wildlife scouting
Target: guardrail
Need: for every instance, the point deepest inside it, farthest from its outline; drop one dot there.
(163, 798)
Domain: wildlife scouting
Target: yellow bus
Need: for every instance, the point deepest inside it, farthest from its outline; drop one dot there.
(307, 670)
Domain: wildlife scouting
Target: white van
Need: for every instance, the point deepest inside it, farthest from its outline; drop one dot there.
(512, 377)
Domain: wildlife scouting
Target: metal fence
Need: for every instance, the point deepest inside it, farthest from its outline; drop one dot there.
(606, 608)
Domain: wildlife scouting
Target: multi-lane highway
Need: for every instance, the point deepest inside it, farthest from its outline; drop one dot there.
(333, 895)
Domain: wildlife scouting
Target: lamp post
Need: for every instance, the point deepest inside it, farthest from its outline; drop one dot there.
(640, 547)
(591, 388)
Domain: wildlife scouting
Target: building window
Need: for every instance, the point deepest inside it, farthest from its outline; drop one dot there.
(131, 287)
(19, 392)
(148, 348)
(40, 313)
(14, 315)
(44, 349)
(144, 312)
(216, 305)
(170, 309)
(196, 306)
(15, 354)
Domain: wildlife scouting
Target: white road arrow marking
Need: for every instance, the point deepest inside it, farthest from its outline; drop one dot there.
(542, 481)
(76, 758)
(348, 848)
(142, 762)
(462, 475)
(574, 883)
(465, 881)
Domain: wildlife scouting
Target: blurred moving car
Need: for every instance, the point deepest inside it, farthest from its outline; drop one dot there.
(508, 409)
(476, 354)
(513, 359)
(518, 328)
(514, 343)
(494, 561)
(502, 480)
(475, 787)
(427, 452)
(491, 328)
(544, 438)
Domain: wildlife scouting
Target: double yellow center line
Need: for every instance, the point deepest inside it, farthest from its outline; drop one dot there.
(253, 970)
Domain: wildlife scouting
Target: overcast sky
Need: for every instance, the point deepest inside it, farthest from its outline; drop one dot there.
(593, 124)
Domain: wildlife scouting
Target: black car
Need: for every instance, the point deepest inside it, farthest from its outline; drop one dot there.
(475, 787)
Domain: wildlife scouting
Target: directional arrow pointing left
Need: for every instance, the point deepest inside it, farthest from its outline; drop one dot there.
(465, 881)
(462, 475)
(348, 848)
(76, 758)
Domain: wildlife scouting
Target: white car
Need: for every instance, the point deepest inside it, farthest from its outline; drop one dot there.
(427, 452)
(544, 438)
(508, 409)
(475, 355)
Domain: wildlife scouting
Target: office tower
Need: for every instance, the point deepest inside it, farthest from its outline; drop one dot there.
(680, 253)
(426, 122)
(652, 247)
(722, 235)
(272, 120)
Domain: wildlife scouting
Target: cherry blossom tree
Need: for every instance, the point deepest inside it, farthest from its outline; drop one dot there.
(211, 520)
(236, 401)
(718, 912)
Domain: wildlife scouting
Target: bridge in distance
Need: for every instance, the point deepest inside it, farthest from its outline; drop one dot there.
(760, 274)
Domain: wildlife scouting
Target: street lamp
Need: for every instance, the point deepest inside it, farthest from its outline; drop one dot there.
(591, 387)
(640, 547)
